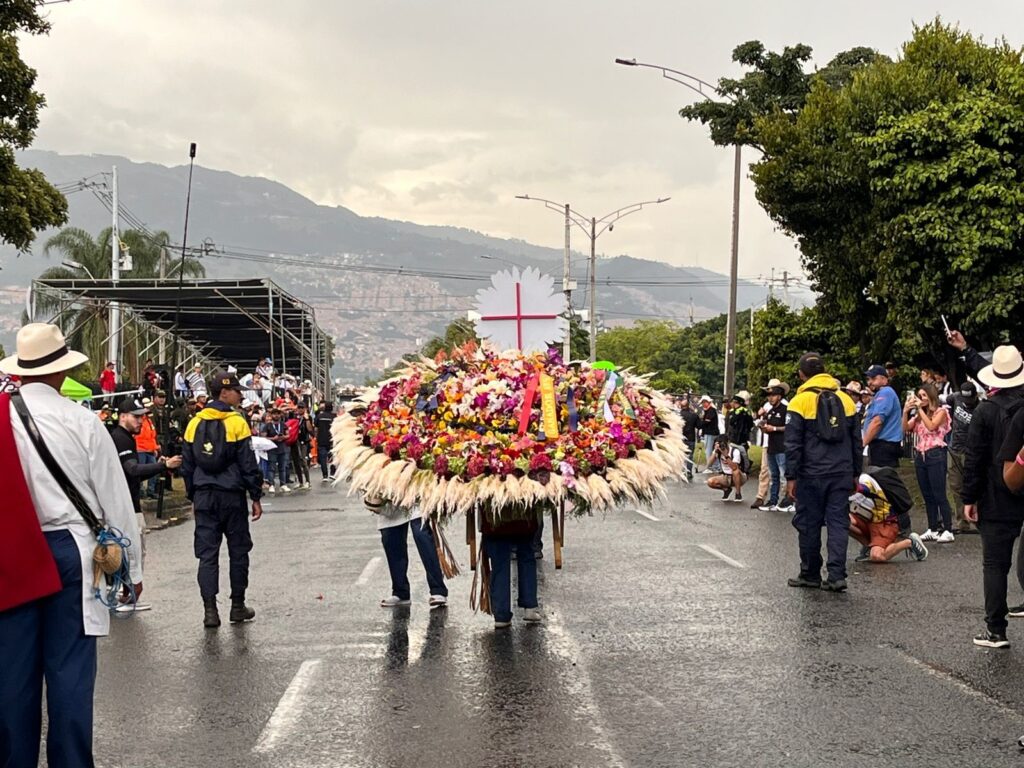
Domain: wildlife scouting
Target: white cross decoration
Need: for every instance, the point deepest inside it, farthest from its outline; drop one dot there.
(520, 311)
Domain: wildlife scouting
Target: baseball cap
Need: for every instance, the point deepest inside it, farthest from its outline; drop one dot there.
(224, 380)
(132, 405)
(875, 370)
(967, 389)
(811, 364)
(160, 393)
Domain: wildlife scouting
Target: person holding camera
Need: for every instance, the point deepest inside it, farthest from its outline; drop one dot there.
(929, 421)
(734, 463)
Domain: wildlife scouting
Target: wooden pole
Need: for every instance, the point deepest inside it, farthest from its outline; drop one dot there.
(556, 533)
(471, 538)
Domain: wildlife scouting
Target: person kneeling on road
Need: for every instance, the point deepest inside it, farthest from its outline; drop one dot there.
(874, 522)
(219, 468)
(734, 462)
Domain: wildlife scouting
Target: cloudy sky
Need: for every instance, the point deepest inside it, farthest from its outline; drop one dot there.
(440, 111)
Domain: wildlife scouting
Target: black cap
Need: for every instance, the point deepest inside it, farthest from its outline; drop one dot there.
(811, 364)
(967, 389)
(132, 405)
(222, 380)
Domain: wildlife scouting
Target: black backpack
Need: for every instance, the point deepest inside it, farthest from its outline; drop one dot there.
(892, 486)
(210, 446)
(830, 419)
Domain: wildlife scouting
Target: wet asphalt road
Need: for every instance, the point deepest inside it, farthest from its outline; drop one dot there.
(667, 642)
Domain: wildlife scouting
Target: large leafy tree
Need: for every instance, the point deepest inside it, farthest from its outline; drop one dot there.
(28, 202)
(87, 327)
(905, 188)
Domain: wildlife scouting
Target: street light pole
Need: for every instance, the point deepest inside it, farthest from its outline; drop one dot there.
(181, 265)
(589, 226)
(567, 289)
(705, 89)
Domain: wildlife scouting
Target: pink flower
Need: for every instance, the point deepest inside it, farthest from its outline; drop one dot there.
(441, 465)
(476, 465)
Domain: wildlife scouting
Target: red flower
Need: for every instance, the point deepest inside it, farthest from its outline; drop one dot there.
(393, 448)
(476, 465)
(378, 439)
(441, 465)
(540, 461)
(596, 459)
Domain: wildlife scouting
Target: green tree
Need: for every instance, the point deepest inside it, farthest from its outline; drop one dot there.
(904, 189)
(28, 202)
(86, 327)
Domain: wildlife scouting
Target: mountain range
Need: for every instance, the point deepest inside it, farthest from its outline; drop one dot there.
(258, 227)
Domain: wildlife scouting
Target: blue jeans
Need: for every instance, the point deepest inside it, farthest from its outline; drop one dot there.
(45, 640)
(278, 459)
(146, 457)
(777, 468)
(709, 448)
(396, 550)
(931, 477)
(822, 502)
(499, 551)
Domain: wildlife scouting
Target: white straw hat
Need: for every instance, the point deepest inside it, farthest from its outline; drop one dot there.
(42, 351)
(1007, 369)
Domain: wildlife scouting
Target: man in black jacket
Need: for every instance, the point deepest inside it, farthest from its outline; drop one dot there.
(129, 423)
(997, 512)
(324, 441)
(220, 468)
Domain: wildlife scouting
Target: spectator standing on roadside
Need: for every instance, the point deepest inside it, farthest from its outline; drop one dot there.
(823, 463)
(883, 429)
(275, 430)
(146, 444)
(180, 383)
(691, 422)
(929, 421)
(49, 634)
(988, 502)
(108, 380)
(324, 440)
(774, 454)
(740, 420)
(709, 430)
(962, 407)
(196, 382)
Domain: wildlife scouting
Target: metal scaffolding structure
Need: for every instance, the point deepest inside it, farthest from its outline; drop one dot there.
(222, 322)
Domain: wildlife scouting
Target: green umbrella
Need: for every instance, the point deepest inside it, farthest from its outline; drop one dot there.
(72, 389)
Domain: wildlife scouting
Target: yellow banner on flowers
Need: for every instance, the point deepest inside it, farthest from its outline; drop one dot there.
(548, 407)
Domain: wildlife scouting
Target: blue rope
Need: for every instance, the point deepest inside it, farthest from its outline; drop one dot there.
(118, 581)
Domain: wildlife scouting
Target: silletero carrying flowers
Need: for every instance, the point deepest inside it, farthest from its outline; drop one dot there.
(512, 433)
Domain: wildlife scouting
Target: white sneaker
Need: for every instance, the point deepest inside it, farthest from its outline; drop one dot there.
(393, 601)
(133, 607)
(946, 537)
(326, 480)
(532, 615)
(304, 486)
(285, 489)
(271, 489)
(929, 535)
(438, 601)
(502, 624)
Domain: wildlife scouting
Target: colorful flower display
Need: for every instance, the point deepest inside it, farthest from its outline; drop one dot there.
(511, 432)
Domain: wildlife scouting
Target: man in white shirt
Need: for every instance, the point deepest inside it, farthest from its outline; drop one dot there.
(54, 638)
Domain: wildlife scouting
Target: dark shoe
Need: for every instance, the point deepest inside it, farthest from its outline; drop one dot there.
(739, 496)
(726, 493)
(966, 529)
(758, 503)
(804, 581)
(241, 612)
(992, 640)
(865, 555)
(1016, 611)
(211, 618)
(834, 586)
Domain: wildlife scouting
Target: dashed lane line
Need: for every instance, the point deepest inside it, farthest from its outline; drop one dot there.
(723, 557)
(648, 515)
(288, 709)
(371, 566)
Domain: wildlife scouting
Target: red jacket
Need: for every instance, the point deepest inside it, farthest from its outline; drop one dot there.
(108, 380)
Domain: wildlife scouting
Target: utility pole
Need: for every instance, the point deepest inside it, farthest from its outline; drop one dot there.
(593, 289)
(730, 334)
(114, 351)
(567, 288)
(162, 345)
(785, 288)
(691, 311)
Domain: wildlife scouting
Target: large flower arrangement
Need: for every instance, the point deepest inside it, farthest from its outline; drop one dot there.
(468, 429)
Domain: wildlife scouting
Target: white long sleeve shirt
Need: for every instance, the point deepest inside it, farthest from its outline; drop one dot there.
(83, 449)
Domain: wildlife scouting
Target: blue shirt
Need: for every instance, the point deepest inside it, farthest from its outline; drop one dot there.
(886, 405)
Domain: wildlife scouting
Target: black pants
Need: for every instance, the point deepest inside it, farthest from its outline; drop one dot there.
(997, 539)
(884, 453)
(222, 514)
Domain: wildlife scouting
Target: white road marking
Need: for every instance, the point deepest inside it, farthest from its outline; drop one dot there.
(371, 566)
(964, 687)
(286, 715)
(579, 685)
(648, 515)
(724, 558)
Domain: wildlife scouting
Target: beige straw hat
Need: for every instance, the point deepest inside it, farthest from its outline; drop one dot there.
(42, 351)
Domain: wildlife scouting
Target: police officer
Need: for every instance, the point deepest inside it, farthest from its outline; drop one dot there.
(219, 468)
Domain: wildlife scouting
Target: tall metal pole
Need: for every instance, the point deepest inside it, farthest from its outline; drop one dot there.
(593, 289)
(730, 340)
(181, 266)
(567, 288)
(114, 347)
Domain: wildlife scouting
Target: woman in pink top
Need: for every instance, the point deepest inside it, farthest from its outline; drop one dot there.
(929, 421)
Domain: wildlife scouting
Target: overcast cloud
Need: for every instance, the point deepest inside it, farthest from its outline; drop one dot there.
(441, 111)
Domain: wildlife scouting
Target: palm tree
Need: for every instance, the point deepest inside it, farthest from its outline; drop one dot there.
(83, 256)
